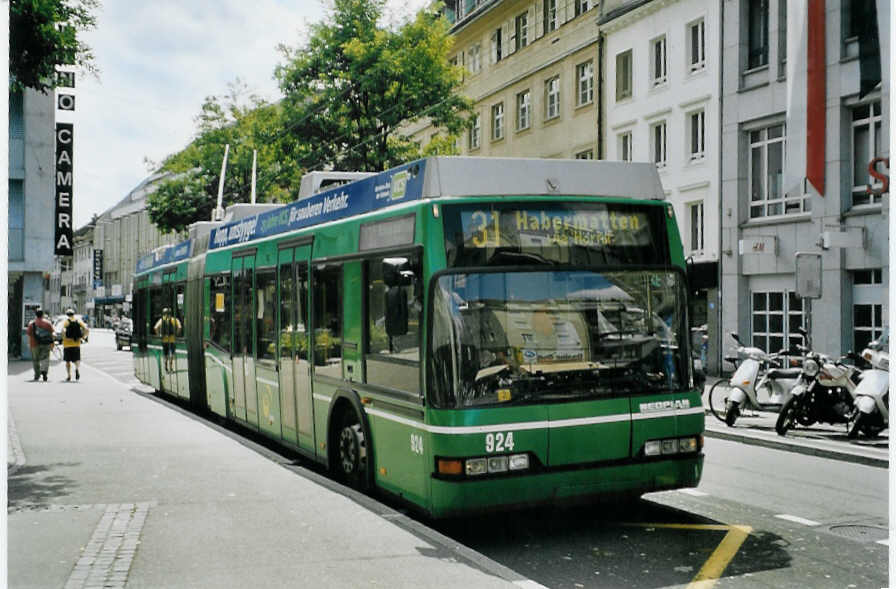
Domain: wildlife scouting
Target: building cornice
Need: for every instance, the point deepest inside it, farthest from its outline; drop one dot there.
(624, 16)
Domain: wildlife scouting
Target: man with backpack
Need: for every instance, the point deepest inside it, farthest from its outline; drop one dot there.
(73, 331)
(40, 338)
(168, 327)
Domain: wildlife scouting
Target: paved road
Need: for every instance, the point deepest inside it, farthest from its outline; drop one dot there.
(178, 501)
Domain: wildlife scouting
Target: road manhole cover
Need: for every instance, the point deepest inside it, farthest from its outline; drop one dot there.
(862, 533)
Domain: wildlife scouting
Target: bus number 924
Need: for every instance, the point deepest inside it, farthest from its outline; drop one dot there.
(499, 442)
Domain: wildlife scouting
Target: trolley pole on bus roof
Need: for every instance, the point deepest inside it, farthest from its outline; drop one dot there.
(254, 156)
(218, 212)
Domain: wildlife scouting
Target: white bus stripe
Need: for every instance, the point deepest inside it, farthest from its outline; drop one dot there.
(797, 520)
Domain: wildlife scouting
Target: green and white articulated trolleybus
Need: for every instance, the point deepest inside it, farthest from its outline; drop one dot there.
(463, 333)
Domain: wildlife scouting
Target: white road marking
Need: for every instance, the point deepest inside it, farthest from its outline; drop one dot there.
(797, 520)
(884, 542)
(693, 492)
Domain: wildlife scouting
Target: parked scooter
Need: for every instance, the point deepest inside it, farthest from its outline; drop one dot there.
(824, 394)
(872, 396)
(747, 388)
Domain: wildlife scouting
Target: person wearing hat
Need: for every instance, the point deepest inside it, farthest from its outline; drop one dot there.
(168, 327)
(73, 331)
(40, 338)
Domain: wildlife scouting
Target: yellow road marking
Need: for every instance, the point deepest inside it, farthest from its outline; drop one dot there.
(715, 565)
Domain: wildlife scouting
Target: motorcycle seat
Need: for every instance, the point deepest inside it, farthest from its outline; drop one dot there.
(784, 372)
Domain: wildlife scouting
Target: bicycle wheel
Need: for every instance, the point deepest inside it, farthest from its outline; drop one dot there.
(718, 399)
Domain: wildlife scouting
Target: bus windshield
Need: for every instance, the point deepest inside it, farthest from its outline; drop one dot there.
(543, 336)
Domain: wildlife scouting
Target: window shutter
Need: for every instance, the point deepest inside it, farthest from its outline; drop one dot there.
(494, 48)
(508, 31)
(561, 11)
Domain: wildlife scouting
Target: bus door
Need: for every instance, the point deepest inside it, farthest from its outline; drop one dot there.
(243, 372)
(181, 374)
(295, 369)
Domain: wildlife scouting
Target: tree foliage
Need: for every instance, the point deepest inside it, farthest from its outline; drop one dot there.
(354, 84)
(43, 34)
(246, 123)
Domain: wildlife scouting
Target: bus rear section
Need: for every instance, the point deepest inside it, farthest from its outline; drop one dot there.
(558, 367)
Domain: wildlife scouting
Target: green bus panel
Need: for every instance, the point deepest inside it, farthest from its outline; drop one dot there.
(400, 466)
(590, 431)
(323, 393)
(656, 417)
(182, 373)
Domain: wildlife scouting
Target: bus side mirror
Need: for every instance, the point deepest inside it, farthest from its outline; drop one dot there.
(396, 311)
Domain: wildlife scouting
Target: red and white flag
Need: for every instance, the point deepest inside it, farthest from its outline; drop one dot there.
(805, 153)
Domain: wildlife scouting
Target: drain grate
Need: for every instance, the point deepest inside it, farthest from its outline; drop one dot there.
(861, 533)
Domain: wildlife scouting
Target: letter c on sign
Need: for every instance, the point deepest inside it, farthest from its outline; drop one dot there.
(64, 136)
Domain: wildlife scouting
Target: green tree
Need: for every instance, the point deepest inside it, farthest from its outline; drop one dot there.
(43, 34)
(246, 123)
(350, 89)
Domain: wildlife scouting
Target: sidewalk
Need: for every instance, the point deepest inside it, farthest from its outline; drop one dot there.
(823, 440)
(114, 487)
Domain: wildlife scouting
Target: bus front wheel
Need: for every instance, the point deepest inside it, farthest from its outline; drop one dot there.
(350, 453)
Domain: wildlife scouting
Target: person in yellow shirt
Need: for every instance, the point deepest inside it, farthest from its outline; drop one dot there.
(73, 331)
(168, 327)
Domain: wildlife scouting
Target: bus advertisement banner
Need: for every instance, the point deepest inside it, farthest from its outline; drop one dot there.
(401, 184)
(172, 253)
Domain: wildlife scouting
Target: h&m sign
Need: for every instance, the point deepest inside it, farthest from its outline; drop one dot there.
(63, 207)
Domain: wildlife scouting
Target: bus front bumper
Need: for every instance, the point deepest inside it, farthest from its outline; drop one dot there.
(456, 497)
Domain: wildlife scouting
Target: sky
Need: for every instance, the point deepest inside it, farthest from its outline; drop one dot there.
(158, 61)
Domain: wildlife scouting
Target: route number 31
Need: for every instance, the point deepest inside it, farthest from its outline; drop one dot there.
(499, 442)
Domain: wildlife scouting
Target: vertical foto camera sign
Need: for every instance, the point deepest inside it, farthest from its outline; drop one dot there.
(63, 214)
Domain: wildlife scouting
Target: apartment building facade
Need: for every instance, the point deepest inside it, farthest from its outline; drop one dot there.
(662, 105)
(764, 223)
(530, 68)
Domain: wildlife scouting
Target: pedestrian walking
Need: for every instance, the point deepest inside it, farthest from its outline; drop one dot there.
(73, 331)
(168, 327)
(40, 338)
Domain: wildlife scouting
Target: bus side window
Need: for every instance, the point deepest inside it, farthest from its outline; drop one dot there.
(266, 314)
(393, 359)
(327, 299)
(180, 305)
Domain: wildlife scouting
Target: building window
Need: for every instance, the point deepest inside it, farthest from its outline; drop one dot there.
(585, 81)
(696, 46)
(757, 33)
(658, 137)
(658, 68)
(697, 128)
(582, 6)
(766, 175)
(695, 211)
(624, 75)
(552, 98)
(522, 110)
(522, 30)
(866, 145)
(550, 16)
(474, 58)
(16, 220)
(496, 45)
(625, 146)
(867, 311)
(476, 131)
(498, 121)
(776, 317)
(588, 154)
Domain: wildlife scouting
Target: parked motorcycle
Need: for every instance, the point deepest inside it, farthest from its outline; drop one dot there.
(747, 388)
(872, 395)
(824, 394)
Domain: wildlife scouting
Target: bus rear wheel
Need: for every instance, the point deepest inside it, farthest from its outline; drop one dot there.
(349, 462)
